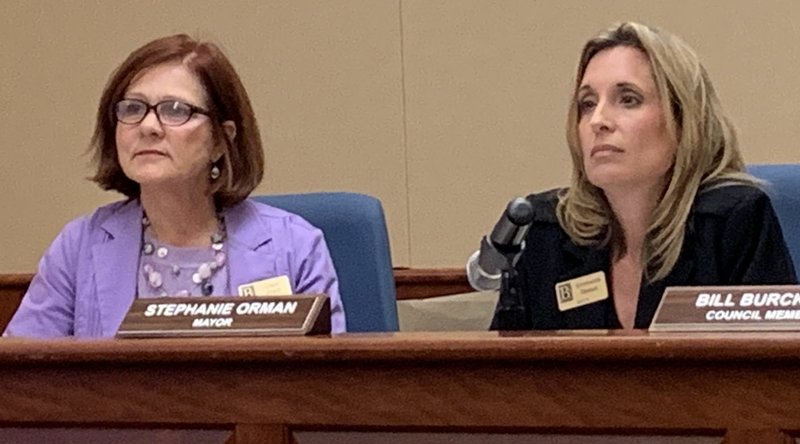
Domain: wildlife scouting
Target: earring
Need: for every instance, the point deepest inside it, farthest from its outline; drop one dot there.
(214, 172)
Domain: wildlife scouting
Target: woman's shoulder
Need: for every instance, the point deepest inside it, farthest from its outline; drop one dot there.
(544, 205)
(101, 215)
(269, 218)
(721, 200)
(97, 226)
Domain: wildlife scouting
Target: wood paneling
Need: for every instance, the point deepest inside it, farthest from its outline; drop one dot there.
(422, 283)
(12, 288)
(568, 382)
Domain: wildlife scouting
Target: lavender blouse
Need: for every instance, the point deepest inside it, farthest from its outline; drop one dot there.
(88, 277)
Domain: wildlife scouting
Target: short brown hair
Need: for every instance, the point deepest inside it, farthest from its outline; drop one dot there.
(242, 164)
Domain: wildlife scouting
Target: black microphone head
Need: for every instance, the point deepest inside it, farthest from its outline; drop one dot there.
(513, 224)
(520, 211)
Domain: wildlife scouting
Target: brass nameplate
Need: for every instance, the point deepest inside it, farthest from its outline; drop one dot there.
(227, 316)
(734, 308)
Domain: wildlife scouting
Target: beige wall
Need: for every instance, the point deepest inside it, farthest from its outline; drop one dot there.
(444, 109)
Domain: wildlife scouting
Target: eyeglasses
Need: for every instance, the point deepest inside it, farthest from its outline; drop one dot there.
(168, 112)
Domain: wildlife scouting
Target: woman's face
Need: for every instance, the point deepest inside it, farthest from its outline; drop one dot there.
(154, 154)
(625, 141)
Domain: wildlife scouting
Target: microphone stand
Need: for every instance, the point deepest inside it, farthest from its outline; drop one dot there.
(500, 251)
(511, 314)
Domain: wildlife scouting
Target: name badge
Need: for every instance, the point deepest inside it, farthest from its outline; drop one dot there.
(277, 286)
(581, 291)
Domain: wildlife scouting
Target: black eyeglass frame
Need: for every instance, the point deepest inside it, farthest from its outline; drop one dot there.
(193, 110)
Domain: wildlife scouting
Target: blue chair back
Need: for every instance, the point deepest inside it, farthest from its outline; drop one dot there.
(783, 188)
(355, 231)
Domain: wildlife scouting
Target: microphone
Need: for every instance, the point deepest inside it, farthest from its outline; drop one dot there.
(500, 249)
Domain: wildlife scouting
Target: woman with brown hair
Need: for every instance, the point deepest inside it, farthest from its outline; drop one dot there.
(176, 134)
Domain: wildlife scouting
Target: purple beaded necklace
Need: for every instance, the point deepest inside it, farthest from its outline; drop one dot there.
(164, 266)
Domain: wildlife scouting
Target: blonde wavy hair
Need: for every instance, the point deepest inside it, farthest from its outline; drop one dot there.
(707, 154)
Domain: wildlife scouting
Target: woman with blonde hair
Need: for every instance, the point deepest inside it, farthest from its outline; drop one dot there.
(658, 197)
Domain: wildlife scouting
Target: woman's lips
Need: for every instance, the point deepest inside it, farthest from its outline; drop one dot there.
(149, 153)
(605, 150)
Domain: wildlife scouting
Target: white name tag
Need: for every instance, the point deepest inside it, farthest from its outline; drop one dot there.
(277, 286)
(581, 291)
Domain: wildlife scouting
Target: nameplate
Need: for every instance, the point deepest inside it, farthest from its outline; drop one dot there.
(227, 316)
(735, 308)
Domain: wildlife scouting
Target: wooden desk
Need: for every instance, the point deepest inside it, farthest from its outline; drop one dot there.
(744, 386)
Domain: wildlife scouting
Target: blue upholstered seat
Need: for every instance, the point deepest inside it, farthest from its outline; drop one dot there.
(783, 187)
(355, 231)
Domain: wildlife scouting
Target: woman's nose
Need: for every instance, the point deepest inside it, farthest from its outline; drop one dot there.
(150, 124)
(602, 119)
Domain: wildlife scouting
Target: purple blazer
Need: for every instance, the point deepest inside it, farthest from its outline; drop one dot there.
(86, 280)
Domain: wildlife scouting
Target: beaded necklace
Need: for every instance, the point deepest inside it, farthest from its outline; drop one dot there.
(200, 276)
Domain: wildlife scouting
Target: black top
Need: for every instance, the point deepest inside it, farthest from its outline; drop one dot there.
(732, 238)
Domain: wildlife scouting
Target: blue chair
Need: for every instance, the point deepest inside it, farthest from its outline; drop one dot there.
(783, 188)
(355, 231)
